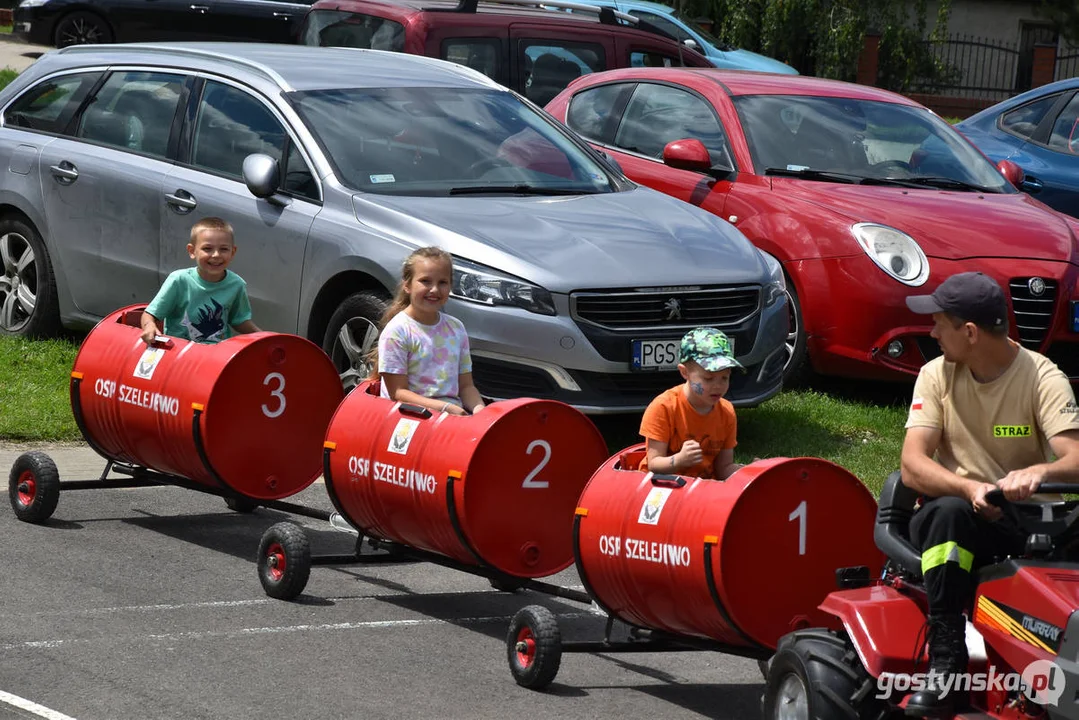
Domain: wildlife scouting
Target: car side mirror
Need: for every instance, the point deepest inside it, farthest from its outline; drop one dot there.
(1012, 172)
(262, 175)
(691, 44)
(614, 163)
(687, 154)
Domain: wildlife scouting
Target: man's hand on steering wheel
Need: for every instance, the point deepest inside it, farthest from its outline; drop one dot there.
(985, 509)
(1018, 485)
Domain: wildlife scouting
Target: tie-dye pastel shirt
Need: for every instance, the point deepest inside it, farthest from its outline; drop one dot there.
(432, 356)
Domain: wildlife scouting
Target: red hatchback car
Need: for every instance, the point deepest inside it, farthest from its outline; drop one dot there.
(864, 196)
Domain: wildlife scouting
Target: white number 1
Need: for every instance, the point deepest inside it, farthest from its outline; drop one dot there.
(800, 513)
(546, 447)
(279, 393)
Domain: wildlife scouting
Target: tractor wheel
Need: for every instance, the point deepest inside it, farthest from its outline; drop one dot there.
(816, 675)
(34, 487)
(284, 561)
(241, 504)
(534, 647)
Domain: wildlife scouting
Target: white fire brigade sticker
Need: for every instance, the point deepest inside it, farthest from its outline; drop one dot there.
(653, 506)
(148, 363)
(402, 436)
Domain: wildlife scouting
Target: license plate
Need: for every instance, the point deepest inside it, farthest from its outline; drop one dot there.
(1075, 315)
(22, 27)
(657, 354)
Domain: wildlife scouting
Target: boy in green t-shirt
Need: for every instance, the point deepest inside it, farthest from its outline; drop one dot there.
(206, 303)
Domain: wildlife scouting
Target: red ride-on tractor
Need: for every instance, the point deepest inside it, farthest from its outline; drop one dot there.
(1023, 638)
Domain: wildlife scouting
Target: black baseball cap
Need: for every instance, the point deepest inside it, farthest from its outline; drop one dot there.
(970, 296)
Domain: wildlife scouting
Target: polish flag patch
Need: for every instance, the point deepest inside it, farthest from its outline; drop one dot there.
(916, 404)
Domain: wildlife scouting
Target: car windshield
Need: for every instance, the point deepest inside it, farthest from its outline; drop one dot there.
(861, 141)
(445, 141)
(707, 36)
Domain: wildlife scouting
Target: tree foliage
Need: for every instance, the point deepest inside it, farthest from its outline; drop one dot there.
(825, 37)
(1064, 14)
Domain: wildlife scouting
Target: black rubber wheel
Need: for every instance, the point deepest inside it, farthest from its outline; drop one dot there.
(81, 28)
(352, 334)
(795, 367)
(816, 675)
(534, 647)
(34, 487)
(28, 302)
(241, 504)
(284, 561)
(506, 585)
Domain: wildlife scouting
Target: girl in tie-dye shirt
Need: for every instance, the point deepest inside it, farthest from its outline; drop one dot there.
(423, 353)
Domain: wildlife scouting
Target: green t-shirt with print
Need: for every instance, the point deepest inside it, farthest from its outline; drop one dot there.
(194, 309)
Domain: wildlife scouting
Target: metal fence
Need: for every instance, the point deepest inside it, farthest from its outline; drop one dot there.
(969, 66)
(1067, 63)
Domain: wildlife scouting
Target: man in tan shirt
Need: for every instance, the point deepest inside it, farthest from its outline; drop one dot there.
(989, 413)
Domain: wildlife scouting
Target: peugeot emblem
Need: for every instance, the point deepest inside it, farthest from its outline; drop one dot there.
(673, 307)
(1036, 286)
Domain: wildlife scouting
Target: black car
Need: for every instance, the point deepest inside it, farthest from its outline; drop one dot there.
(72, 22)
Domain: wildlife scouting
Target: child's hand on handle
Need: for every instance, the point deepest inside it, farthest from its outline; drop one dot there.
(689, 455)
(148, 335)
(453, 409)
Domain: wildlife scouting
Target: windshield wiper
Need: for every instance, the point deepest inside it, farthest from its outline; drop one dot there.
(947, 183)
(811, 174)
(516, 190)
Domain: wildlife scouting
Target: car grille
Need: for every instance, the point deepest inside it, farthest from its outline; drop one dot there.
(668, 309)
(1033, 313)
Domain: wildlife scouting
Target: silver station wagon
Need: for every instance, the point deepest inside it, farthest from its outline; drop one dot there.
(332, 165)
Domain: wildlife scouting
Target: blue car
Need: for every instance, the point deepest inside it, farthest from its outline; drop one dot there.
(1039, 132)
(685, 30)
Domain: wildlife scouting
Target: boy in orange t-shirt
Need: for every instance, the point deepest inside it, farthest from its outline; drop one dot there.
(690, 429)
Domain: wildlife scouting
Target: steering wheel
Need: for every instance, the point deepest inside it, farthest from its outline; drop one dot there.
(1058, 519)
(892, 165)
(485, 165)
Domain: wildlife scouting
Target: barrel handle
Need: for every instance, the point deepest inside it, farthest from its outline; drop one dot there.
(163, 341)
(661, 480)
(413, 409)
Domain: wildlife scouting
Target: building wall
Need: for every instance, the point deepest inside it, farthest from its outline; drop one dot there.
(996, 20)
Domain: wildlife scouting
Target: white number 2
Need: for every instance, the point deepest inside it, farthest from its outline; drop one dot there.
(546, 447)
(279, 393)
(800, 513)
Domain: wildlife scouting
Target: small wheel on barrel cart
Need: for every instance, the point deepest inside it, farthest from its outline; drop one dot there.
(534, 647)
(241, 504)
(34, 487)
(284, 561)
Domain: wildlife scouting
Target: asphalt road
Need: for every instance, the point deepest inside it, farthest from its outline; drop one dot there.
(145, 603)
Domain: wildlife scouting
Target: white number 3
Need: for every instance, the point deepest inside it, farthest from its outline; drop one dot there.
(529, 481)
(279, 393)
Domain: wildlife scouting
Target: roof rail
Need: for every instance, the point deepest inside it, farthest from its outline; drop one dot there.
(179, 49)
(606, 15)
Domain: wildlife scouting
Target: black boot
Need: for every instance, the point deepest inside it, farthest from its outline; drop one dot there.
(947, 638)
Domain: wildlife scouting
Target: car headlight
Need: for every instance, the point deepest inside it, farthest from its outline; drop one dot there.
(32, 3)
(485, 285)
(776, 287)
(894, 252)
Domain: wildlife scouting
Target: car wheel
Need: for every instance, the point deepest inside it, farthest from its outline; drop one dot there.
(81, 28)
(28, 302)
(794, 368)
(352, 335)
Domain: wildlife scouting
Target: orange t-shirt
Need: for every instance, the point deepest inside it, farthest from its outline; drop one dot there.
(671, 419)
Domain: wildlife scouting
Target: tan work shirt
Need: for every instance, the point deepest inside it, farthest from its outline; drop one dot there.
(990, 429)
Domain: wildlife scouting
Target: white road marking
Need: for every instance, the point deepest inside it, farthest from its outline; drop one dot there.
(244, 632)
(31, 707)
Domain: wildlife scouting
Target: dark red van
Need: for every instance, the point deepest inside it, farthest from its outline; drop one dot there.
(533, 48)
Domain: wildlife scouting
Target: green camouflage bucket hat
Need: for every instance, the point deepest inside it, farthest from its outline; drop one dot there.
(709, 348)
